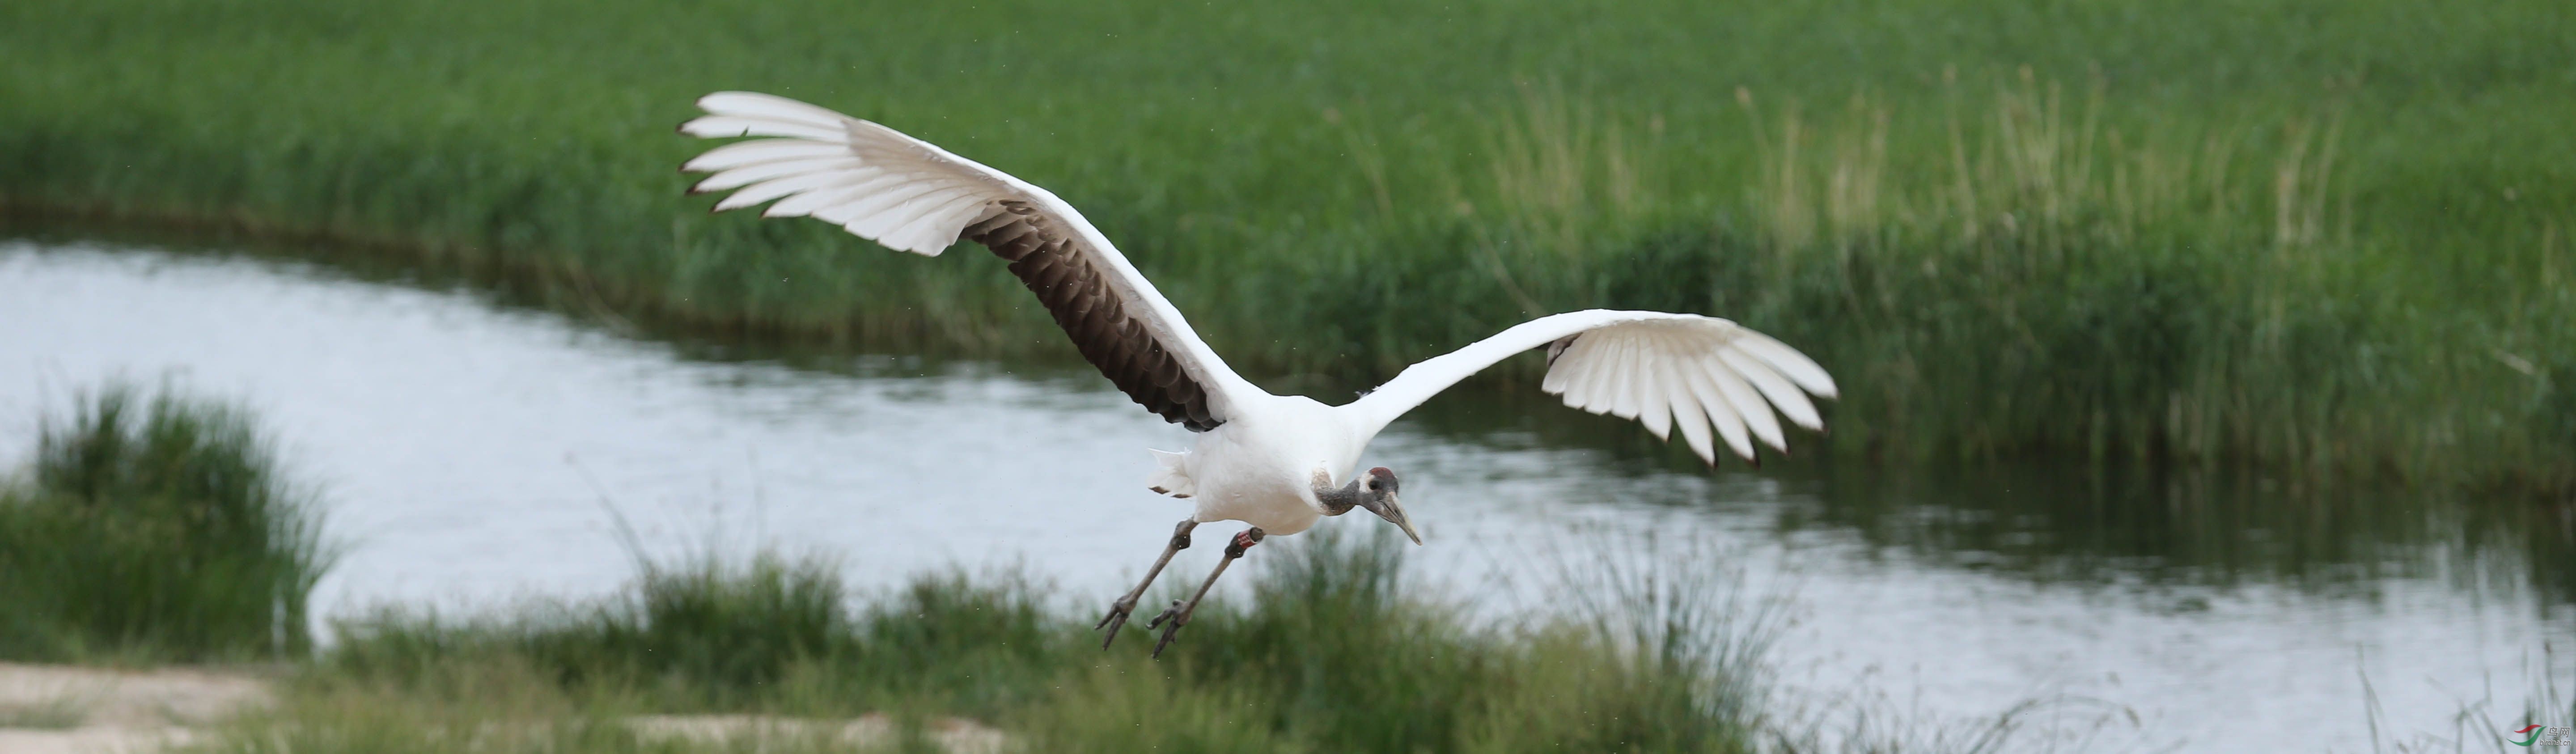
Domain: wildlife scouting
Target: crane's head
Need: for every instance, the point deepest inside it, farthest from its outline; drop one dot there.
(1377, 494)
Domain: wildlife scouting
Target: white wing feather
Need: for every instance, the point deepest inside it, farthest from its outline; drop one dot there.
(1791, 403)
(1748, 404)
(1662, 369)
(1721, 413)
(1653, 408)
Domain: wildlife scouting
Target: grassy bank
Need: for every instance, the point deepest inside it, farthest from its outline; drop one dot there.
(154, 528)
(2330, 236)
(1327, 654)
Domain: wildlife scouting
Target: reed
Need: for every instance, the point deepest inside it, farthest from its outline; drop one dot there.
(155, 527)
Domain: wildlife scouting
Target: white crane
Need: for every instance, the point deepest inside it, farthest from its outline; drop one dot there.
(1276, 462)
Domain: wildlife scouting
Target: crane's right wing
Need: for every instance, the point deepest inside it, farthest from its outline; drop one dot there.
(912, 196)
(1658, 368)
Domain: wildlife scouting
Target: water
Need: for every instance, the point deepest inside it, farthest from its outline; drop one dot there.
(472, 454)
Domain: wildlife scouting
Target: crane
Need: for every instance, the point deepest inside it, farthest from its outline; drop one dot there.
(1277, 463)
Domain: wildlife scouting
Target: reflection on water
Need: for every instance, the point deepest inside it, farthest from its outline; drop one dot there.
(2212, 530)
(472, 453)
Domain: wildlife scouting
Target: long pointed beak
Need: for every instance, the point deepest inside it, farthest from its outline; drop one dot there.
(1394, 514)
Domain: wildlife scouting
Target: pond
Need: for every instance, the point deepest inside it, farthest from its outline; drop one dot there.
(472, 453)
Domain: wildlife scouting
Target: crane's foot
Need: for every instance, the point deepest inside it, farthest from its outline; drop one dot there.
(1169, 633)
(1179, 613)
(1126, 605)
(1170, 615)
(1117, 617)
(1170, 621)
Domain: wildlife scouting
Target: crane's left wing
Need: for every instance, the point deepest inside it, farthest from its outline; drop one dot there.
(1658, 368)
(910, 195)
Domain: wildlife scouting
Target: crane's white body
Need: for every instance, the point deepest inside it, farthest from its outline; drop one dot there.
(1263, 466)
(1265, 460)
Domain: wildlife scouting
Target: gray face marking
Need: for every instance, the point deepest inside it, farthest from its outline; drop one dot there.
(1378, 496)
(1374, 491)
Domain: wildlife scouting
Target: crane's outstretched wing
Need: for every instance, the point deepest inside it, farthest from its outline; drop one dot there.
(1658, 368)
(912, 196)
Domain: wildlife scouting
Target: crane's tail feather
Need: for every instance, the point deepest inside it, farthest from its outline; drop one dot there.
(1171, 474)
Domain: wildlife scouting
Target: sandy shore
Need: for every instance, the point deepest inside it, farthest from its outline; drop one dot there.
(59, 709)
(53, 709)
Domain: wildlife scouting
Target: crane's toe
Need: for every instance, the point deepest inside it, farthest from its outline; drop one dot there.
(1170, 614)
(1170, 632)
(1170, 621)
(1117, 618)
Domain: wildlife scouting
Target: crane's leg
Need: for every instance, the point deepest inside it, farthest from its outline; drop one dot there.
(1179, 613)
(1118, 610)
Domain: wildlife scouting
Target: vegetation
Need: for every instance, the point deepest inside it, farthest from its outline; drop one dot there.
(1328, 654)
(2307, 234)
(154, 529)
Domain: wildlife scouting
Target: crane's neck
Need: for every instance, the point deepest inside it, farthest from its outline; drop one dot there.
(1336, 500)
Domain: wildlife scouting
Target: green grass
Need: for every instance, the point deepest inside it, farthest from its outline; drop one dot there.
(1329, 653)
(2314, 235)
(154, 528)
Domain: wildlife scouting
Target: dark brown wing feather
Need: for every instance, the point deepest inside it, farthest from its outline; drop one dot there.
(1052, 263)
